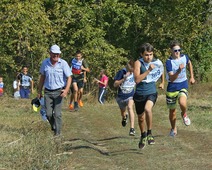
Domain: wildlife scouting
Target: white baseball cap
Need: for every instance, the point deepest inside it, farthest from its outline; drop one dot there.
(55, 49)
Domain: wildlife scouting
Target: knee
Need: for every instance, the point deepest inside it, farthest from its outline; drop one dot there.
(141, 118)
(148, 110)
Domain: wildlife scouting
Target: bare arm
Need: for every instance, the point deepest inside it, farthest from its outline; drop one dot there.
(139, 77)
(40, 85)
(32, 86)
(66, 90)
(161, 85)
(85, 69)
(117, 83)
(190, 67)
(104, 82)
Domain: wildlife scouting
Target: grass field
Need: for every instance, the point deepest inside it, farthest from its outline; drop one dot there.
(93, 138)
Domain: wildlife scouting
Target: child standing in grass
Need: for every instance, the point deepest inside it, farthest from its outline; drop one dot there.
(177, 89)
(103, 82)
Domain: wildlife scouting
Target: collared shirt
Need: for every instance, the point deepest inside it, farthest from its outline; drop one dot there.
(55, 75)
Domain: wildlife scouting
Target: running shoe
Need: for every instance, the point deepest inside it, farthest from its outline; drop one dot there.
(80, 103)
(71, 107)
(132, 132)
(76, 107)
(124, 121)
(172, 133)
(150, 140)
(142, 142)
(186, 120)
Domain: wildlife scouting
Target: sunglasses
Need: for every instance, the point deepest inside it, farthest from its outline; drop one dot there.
(177, 50)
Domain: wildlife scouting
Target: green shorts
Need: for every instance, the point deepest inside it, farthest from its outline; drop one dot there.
(172, 97)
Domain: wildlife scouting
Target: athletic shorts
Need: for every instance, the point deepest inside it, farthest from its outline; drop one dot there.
(140, 101)
(172, 97)
(80, 82)
(123, 103)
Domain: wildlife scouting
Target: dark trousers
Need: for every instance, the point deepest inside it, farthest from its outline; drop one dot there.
(102, 92)
(24, 92)
(53, 105)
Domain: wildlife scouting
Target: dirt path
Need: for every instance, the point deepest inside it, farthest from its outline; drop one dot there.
(98, 141)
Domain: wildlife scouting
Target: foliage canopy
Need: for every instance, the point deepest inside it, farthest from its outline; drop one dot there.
(107, 31)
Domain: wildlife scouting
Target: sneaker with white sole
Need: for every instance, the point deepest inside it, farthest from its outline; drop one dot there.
(132, 132)
(151, 140)
(186, 120)
(172, 133)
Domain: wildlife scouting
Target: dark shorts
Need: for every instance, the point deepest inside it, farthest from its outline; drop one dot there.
(140, 101)
(80, 82)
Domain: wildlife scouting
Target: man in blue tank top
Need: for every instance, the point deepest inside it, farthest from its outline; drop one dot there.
(147, 70)
(177, 89)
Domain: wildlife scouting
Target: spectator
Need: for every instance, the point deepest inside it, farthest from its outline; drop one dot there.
(26, 83)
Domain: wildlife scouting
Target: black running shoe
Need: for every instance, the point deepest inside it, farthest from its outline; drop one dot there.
(132, 132)
(76, 107)
(124, 121)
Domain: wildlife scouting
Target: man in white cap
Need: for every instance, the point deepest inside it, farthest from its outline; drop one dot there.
(56, 79)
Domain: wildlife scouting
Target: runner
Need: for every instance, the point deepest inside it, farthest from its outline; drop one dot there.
(177, 89)
(147, 71)
(124, 80)
(78, 67)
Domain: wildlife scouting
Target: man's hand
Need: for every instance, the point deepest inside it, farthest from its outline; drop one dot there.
(64, 93)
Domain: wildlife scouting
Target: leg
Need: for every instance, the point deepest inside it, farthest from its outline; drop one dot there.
(49, 109)
(80, 93)
(172, 119)
(183, 107)
(124, 116)
(57, 111)
(141, 122)
(101, 95)
(171, 99)
(75, 95)
(27, 93)
(148, 111)
(131, 113)
(22, 92)
(75, 91)
(183, 104)
(139, 106)
(71, 107)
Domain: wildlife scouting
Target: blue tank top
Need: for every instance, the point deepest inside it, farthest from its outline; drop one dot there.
(148, 84)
